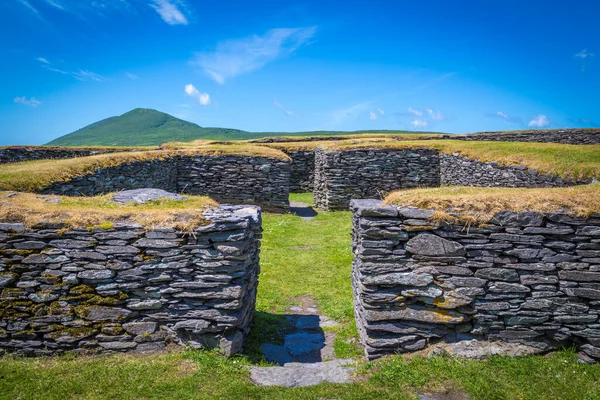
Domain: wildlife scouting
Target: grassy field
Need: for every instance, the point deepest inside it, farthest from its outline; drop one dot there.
(299, 258)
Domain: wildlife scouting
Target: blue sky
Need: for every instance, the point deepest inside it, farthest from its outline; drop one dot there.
(275, 65)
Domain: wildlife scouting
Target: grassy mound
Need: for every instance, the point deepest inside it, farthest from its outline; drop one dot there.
(564, 160)
(32, 176)
(99, 211)
(479, 204)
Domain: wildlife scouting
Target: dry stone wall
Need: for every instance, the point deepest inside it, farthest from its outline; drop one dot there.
(457, 170)
(238, 179)
(227, 178)
(129, 289)
(357, 174)
(565, 136)
(30, 153)
(302, 172)
(525, 277)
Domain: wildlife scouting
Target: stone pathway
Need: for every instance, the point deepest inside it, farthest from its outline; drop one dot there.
(306, 356)
(303, 210)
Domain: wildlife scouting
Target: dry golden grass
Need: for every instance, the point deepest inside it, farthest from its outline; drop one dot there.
(32, 176)
(564, 160)
(86, 212)
(477, 205)
(206, 147)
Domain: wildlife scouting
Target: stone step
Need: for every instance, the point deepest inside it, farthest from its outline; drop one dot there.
(303, 374)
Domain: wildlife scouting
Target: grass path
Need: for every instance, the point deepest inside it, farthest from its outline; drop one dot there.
(299, 258)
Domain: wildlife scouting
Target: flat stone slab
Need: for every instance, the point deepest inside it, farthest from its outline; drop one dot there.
(142, 196)
(302, 210)
(481, 349)
(301, 374)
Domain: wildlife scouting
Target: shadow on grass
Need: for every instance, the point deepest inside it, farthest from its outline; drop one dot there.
(284, 338)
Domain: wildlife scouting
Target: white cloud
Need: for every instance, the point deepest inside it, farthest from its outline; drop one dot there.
(415, 112)
(241, 56)
(56, 4)
(419, 123)
(502, 115)
(31, 8)
(42, 60)
(539, 121)
(131, 76)
(435, 115)
(381, 111)
(203, 98)
(285, 110)
(169, 11)
(32, 102)
(372, 115)
(83, 75)
(583, 54)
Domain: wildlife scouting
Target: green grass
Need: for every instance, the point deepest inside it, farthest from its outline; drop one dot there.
(321, 270)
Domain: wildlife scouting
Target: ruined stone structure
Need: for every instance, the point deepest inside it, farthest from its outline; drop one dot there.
(565, 136)
(525, 277)
(13, 154)
(127, 288)
(236, 179)
(364, 173)
(302, 170)
(456, 170)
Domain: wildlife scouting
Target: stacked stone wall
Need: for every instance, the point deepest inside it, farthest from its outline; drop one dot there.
(302, 174)
(227, 178)
(565, 136)
(357, 174)
(456, 170)
(30, 153)
(524, 277)
(127, 288)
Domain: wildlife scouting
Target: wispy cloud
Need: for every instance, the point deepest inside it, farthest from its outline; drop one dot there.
(338, 117)
(32, 102)
(505, 117)
(241, 56)
(83, 75)
(373, 115)
(419, 123)
(80, 74)
(56, 4)
(582, 121)
(203, 98)
(131, 76)
(31, 8)
(415, 112)
(282, 108)
(584, 55)
(169, 11)
(435, 115)
(539, 121)
(428, 84)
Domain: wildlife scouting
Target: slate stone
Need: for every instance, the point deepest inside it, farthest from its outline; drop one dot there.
(499, 274)
(142, 196)
(303, 374)
(140, 328)
(96, 275)
(399, 278)
(7, 279)
(427, 244)
(30, 245)
(510, 218)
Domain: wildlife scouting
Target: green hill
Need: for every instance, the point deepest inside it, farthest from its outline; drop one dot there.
(148, 127)
(141, 127)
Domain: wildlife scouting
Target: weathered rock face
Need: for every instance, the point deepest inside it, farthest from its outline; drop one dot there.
(226, 178)
(302, 170)
(461, 171)
(13, 154)
(565, 136)
(237, 179)
(127, 289)
(526, 278)
(357, 174)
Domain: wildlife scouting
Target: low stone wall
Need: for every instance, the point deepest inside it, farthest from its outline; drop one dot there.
(302, 174)
(357, 174)
(128, 289)
(565, 136)
(30, 153)
(227, 178)
(456, 170)
(158, 174)
(525, 277)
(238, 179)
